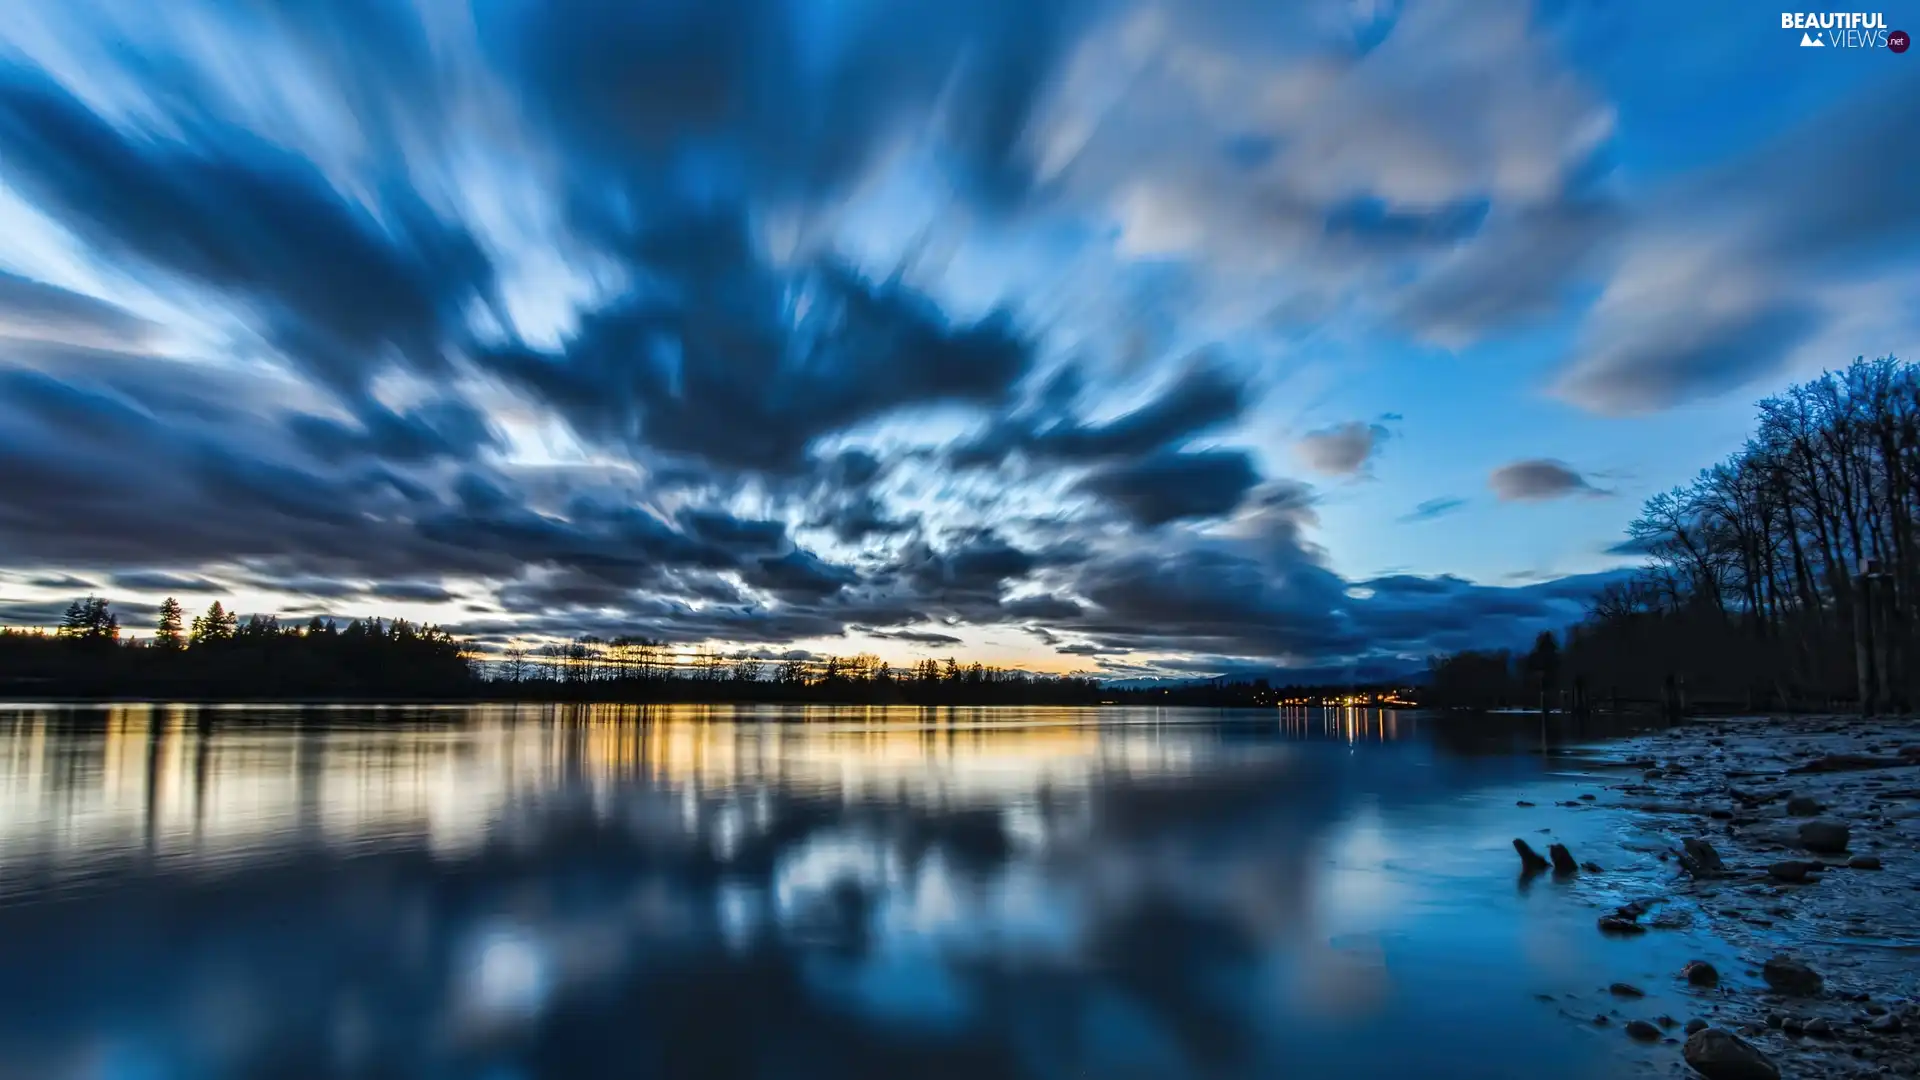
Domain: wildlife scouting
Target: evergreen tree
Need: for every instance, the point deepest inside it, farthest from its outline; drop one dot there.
(217, 625)
(167, 632)
(90, 621)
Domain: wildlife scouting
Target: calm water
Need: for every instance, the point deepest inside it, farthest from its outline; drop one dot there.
(503, 893)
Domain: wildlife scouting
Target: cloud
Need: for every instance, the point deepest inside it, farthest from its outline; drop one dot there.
(1341, 450)
(337, 286)
(1433, 508)
(1173, 486)
(1724, 278)
(917, 637)
(162, 581)
(1537, 479)
(35, 310)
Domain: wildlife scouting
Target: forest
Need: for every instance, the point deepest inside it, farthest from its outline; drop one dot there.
(1784, 577)
(218, 656)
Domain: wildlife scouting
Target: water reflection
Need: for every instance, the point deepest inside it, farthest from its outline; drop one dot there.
(576, 892)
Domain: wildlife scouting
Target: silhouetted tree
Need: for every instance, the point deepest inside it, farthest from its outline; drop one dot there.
(167, 630)
(214, 627)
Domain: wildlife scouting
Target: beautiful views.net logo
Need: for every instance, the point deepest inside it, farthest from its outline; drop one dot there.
(1844, 30)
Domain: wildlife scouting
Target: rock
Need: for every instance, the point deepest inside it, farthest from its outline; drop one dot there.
(1601, 1020)
(1696, 1024)
(1665, 1021)
(1643, 1031)
(1523, 802)
(1825, 835)
(1701, 973)
(1803, 806)
(1591, 867)
(1864, 862)
(1722, 1055)
(1626, 990)
(1719, 814)
(1789, 976)
(1652, 774)
(1614, 924)
(1671, 920)
(1529, 858)
(1587, 798)
(1817, 1026)
(1792, 870)
(1912, 750)
(1700, 859)
(1562, 859)
(1886, 1025)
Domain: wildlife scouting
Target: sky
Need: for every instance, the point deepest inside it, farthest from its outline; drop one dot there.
(1137, 338)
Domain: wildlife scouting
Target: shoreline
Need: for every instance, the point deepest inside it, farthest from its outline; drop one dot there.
(1812, 827)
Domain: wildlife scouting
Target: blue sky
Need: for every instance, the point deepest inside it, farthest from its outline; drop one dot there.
(1092, 334)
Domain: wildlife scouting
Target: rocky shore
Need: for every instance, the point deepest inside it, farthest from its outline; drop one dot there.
(1793, 841)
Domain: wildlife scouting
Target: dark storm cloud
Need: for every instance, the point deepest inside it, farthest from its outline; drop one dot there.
(1433, 508)
(162, 581)
(335, 287)
(636, 89)
(1172, 486)
(917, 637)
(1341, 450)
(443, 428)
(723, 371)
(1205, 396)
(1539, 478)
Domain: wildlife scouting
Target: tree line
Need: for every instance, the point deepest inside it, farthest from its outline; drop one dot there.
(1785, 576)
(216, 654)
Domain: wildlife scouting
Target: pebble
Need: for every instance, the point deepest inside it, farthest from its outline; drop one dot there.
(1864, 862)
(1640, 1029)
(1825, 836)
(1696, 1024)
(1790, 976)
(1701, 973)
(1621, 989)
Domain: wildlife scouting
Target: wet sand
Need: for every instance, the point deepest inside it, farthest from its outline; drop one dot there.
(1776, 798)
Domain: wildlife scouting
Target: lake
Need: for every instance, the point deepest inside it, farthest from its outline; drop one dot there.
(519, 892)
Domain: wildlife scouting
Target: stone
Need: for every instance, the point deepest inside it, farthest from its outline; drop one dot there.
(1701, 973)
(1700, 859)
(1587, 798)
(1864, 862)
(1621, 989)
(1643, 1031)
(1722, 1055)
(1591, 867)
(1719, 814)
(1614, 924)
(1825, 835)
(1817, 1026)
(1696, 1024)
(1803, 806)
(1790, 976)
(1523, 802)
(1791, 870)
(1886, 1025)
(1529, 859)
(1563, 862)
